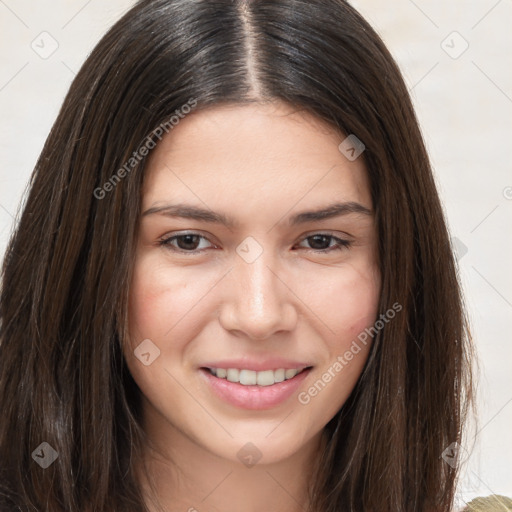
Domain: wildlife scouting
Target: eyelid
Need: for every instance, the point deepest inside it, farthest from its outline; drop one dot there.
(167, 238)
(343, 243)
(325, 232)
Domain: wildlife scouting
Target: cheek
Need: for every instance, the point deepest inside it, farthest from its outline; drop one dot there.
(160, 299)
(354, 310)
(347, 302)
(146, 305)
(161, 308)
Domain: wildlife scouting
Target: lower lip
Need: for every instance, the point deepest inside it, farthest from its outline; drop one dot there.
(254, 397)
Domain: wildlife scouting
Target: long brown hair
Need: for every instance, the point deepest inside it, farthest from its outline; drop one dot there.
(66, 274)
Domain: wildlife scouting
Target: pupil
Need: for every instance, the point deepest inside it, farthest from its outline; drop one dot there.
(188, 241)
(319, 241)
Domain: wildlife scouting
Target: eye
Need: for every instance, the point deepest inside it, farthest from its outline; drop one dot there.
(323, 242)
(194, 243)
(186, 242)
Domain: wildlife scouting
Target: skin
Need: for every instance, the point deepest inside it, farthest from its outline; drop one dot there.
(259, 164)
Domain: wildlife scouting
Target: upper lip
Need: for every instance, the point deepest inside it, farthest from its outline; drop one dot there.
(258, 365)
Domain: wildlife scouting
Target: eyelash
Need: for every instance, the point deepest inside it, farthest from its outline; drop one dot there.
(341, 243)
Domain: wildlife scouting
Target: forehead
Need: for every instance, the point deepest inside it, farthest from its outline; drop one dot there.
(253, 156)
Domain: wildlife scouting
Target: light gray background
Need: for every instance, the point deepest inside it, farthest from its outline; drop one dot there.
(464, 103)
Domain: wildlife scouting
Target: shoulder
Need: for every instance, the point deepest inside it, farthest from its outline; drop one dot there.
(493, 503)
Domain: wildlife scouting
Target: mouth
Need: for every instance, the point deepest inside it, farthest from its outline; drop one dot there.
(256, 378)
(255, 390)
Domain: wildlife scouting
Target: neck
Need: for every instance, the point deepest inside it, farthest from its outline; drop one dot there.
(182, 476)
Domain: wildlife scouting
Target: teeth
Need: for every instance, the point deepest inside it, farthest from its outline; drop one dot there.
(289, 374)
(247, 377)
(251, 378)
(265, 378)
(232, 375)
(279, 375)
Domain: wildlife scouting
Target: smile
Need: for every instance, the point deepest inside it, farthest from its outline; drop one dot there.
(255, 378)
(254, 390)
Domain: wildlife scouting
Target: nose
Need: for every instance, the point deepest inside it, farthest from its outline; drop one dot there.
(258, 302)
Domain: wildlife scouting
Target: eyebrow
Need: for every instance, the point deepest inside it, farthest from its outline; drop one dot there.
(204, 215)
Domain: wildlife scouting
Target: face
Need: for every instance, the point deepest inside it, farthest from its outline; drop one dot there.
(256, 262)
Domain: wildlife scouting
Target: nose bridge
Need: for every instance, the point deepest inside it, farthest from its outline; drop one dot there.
(258, 303)
(259, 290)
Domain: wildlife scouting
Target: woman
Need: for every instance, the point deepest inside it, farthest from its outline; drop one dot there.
(172, 340)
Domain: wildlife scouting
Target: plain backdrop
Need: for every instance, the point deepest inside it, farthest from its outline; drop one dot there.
(455, 57)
